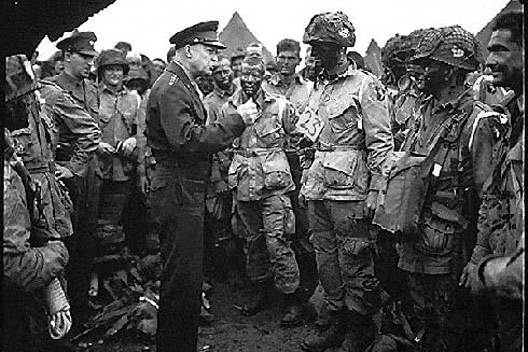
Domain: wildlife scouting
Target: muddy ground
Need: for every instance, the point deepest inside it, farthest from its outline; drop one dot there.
(230, 331)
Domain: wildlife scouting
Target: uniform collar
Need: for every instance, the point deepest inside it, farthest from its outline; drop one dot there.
(324, 77)
(263, 97)
(448, 106)
(104, 88)
(68, 82)
(223, 93)
(276, 81)
(178, 69)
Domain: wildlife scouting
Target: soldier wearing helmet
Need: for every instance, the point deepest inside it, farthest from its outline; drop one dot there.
(452, 133)
(116, 161)
(347, 118)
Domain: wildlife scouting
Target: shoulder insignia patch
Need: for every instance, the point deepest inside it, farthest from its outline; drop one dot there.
(381, 93)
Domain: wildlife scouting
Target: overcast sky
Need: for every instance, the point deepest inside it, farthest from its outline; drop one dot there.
(148, 24)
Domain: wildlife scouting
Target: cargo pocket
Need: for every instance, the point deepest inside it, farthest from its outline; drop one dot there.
(357, 246)
(276, 172)
(437, 237)
(338, 170)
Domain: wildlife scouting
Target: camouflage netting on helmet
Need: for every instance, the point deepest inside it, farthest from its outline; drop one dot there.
(452, 45)
(400, 48)
(20, 78)
(330, 27)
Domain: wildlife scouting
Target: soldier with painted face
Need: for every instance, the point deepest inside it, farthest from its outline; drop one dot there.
(400, 81)
(451, 141)
(341, 186)
(261, 179)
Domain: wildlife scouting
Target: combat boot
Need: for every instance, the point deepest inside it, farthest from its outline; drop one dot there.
(331, 337)
(259, 299)
(294, 312)
(360, 334)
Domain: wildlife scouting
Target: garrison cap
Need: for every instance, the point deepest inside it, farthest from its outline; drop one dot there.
(20, 78)
(112, 57)
(79, 42)
(201, 33)
(452, 45)
(330, 27)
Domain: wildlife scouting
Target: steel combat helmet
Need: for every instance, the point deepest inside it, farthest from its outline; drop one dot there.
(452, 45)
(112, 57)
(330, 27)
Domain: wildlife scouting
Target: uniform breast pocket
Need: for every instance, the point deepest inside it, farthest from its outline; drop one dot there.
(269, 130)
(342, 115)
(338, 170)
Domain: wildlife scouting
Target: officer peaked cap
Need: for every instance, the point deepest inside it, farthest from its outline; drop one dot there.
(201, 33)
(79, 42)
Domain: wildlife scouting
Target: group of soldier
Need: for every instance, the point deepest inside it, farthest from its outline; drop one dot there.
(403, 196)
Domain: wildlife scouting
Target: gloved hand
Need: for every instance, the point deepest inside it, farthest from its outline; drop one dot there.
(248, 111)
(58, 310)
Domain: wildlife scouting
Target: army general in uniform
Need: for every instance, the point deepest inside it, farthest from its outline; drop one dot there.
(182, 145)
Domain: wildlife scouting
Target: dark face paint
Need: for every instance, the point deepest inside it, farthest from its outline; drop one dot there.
(432, 78)
(251, 79)
(328, 54)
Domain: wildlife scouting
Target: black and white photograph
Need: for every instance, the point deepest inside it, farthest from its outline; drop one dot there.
(283, 176)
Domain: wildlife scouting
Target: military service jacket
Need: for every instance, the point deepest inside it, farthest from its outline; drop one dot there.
(84, 91)
(35, 145)
(25, 268)
(455, 191)
(78, 134)
(176, 129)
(118, 120)
(355, 138)
(260, 167)
(501, 215)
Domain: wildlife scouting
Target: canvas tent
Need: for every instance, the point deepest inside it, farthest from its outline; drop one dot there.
(485, 33)
(237, 36)
(373, 58)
